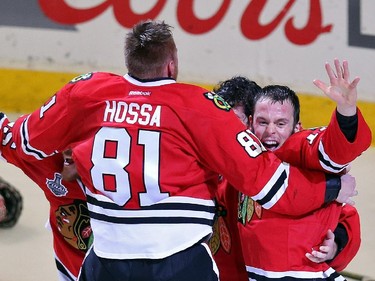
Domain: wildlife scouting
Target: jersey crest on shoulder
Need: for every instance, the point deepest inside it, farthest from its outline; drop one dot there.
(81, 77)
(218, 101)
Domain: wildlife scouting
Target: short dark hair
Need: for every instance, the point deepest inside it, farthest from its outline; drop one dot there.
(147, 48)
(238, 90)
(280, 93)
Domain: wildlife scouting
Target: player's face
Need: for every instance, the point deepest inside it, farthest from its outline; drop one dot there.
(69, 171)
(239, 110)
(273, 122)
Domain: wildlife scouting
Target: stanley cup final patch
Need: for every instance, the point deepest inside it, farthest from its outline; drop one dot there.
(56, 186)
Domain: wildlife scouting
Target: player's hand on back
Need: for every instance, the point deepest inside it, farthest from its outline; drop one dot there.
(326, 251)
(348, 190)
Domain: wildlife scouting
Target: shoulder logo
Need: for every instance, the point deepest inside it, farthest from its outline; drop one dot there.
(218, 101)
(81, 77)
(56, 186)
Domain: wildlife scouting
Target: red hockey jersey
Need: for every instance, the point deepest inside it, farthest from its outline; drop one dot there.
(274, 245)
(68, 217)
(150, 153)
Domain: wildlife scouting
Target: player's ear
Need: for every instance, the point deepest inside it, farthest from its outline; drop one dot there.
(298, 127)
(172, 69)
(250, 118)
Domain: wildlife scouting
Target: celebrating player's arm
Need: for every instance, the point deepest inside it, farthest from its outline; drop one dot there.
(340, 90)
(347, 128)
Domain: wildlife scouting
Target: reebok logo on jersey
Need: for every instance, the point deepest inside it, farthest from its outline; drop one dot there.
(56, 186)
(139, 93)
(218, 101)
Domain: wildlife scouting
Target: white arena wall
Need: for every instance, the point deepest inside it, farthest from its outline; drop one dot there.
(279, 42)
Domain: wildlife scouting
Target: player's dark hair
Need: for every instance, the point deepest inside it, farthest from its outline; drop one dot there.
(237, 91)
(280, 93)
(148, 47)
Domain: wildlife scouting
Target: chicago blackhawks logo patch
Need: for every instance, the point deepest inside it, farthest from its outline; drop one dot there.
(81, 77)
(247, 207)
(221, 235)
(218, 101)
(73, 222)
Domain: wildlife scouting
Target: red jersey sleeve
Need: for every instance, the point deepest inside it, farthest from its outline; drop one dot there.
(46, 130)
(66, 119)
(325, 148)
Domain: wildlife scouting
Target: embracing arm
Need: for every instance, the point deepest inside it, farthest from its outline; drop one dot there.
(340, 246)
(348, 235)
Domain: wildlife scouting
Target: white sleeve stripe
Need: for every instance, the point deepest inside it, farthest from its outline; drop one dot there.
(327, 163)
(297, 275)
(330, 169)
(26, 147)
(275, 188)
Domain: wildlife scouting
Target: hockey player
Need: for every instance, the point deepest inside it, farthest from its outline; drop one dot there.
(68, 216)
(281, 113)
(275, 118)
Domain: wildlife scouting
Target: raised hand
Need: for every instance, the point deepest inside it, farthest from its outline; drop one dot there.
(340, 90)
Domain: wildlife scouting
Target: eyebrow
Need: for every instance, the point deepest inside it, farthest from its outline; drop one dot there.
(285, 120)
